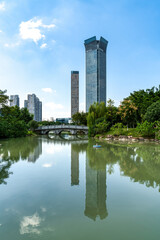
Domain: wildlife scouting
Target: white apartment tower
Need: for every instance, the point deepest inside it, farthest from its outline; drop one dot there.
(34, 106)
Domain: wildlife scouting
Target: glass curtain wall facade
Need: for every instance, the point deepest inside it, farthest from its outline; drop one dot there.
(95, 70)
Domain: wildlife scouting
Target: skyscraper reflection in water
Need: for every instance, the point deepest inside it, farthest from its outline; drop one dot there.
(95, 204)
(35, 154)
(74, 166)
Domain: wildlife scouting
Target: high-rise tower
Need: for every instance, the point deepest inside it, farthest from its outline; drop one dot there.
(95, 70)
(74, 92)
(14, 100)
(34, 106)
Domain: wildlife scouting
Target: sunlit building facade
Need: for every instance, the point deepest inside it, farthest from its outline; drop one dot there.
(14, 100)
(34, 106)
(95, 70)
(74, 92)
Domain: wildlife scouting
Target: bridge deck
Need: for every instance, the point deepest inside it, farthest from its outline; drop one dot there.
(57, 127)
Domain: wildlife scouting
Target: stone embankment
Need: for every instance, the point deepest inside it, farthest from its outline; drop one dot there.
(124, 138)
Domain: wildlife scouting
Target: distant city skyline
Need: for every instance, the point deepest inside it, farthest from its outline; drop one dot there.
(41, 42)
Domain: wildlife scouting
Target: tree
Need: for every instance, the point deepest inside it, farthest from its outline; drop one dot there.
(146, 129)
(25, 115)
(142, 99)
(127, 112)
(153, 112)
(33, 125)
(80, 118)
(3, 98)
(101, 127)
(111, 115)
(98, 109)
(13, 122)
(95, 116)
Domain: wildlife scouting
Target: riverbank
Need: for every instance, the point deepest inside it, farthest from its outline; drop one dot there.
(124, 138)
(125, 134)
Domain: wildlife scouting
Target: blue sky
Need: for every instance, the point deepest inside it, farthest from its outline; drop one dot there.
(42, 41)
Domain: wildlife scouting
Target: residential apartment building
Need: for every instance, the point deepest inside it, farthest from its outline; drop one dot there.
(14, 100)
(34, 106)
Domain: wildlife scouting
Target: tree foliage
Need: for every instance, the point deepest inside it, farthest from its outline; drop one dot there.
(142, 99)
(127, 112)
(33, 125)
(153, 112)
(111, 115)
(3, 98)
(100, 117)
(146, 129)
(80, 118)
(14, 121)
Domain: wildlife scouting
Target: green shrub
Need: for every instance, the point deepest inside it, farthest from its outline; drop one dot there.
(146, 129)
(33, 125)
(118, 129)
(153, 112)
(101, 127)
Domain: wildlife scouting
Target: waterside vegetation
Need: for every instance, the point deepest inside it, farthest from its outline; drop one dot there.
(14, 122)
(138, 115)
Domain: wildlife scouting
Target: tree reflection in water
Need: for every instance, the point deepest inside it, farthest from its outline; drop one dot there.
(13, 150)
(140, 162)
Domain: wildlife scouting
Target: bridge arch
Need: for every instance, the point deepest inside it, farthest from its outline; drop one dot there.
(58, 129)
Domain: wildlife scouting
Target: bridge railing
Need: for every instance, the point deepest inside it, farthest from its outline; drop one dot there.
(53, 127)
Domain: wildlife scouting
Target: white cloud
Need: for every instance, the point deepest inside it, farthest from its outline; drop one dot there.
(33, 29)
(51, 109)
(48, 26)
(47, 165)
(1, 31)
(49, 149)
(2, 6)
(43, 209)
(44, 45)
(47, 90)
(53, 106)
(11, 45)
(30, 224)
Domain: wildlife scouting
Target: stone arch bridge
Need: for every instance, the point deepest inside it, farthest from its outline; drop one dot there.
(57, 129)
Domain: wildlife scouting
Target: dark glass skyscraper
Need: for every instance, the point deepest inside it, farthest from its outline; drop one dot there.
(95, 70)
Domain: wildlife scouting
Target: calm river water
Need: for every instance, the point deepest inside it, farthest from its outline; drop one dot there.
(63, 189)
